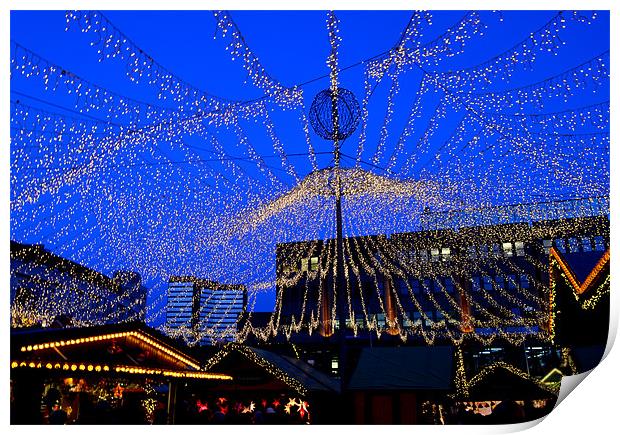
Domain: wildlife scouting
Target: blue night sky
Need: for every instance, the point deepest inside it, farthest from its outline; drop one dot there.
(293, 47)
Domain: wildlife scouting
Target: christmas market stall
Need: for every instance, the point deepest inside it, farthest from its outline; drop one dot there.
(269, 388)
(115, 374)
(501, 393)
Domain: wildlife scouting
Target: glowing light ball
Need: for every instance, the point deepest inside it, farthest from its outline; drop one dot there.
(321, 114)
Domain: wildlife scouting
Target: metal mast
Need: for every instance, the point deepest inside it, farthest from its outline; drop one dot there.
(339, 279)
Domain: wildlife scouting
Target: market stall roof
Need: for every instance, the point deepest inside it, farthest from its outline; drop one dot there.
(295, 373)
(404, 368)
(130, 348)
(583, 270)
(501, 381)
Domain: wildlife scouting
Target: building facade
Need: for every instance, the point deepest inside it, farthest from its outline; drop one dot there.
(484, 287)
(46, 288)
(204, 312)
(485, 278)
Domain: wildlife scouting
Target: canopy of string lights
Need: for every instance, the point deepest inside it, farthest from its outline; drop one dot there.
(167, 179)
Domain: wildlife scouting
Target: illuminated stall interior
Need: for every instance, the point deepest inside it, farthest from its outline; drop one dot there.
(122, 373)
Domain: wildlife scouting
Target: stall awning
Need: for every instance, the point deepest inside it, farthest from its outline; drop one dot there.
(501, 381)
(296, 374)
(127, 349)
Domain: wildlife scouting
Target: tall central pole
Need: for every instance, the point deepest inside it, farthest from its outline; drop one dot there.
(339, 281)
(340, 285)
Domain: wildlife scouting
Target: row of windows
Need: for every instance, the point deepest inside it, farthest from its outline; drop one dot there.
(431, 316)
(178, 321)
(505, 249)
(221, 325)
(181, 288)
(214, 305)
(425, 285)
(180, 294)
(439, 285)
(222, 294)
(227, 301)
(180, 298)
(414, 316)
(177, 307)
(434, 254)
(311, 263)
(223, 307)
(214, 301)
(575, 244)
(509, 282)
(229, 315)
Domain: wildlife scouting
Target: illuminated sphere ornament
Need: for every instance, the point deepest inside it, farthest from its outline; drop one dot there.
(321, 115)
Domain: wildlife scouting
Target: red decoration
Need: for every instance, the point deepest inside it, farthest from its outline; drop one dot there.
(118, 391)
(202, 406)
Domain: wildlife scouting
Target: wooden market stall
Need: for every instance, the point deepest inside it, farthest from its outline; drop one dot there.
(104, 374)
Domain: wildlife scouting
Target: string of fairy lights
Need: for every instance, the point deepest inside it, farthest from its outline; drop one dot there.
(181, 187)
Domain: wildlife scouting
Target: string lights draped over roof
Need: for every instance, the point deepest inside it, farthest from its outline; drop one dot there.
(179, 187)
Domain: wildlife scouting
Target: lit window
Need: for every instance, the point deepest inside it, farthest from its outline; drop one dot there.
(434, 254)
(507, 247)
(304, 264)
(314, 263)
(520, 248)
(334, 363)
(381, 320)
(445, 254)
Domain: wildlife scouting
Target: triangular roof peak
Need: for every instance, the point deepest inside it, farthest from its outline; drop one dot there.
(580, 286)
